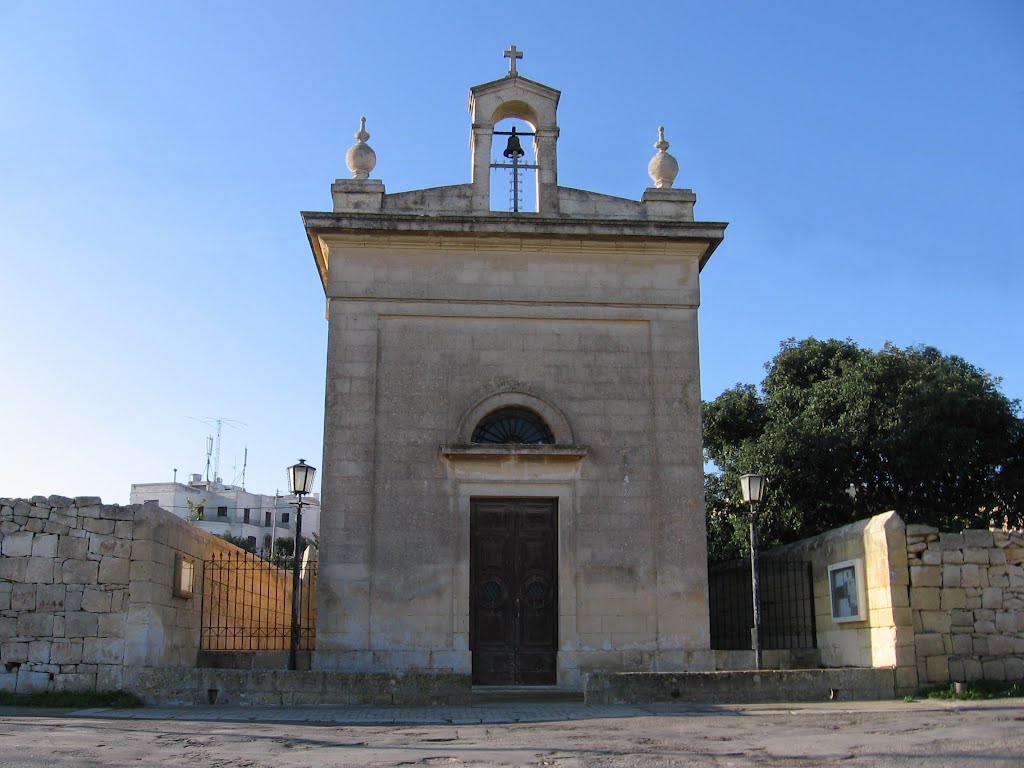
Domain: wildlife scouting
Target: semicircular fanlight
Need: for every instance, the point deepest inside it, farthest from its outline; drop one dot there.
(512, 425)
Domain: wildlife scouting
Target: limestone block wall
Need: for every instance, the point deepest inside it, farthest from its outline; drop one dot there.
(967, 601)
(941, 607)
(163, 630)
(86, 591)
(885, 638)
(64, 571)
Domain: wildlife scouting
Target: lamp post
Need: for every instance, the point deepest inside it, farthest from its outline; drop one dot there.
(300, 481)
(753, 487)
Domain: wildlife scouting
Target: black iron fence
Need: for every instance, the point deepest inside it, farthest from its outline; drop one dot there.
(787, 605)
(247, 604)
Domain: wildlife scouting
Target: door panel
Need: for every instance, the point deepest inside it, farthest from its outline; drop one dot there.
(492, 597)
(513, 591)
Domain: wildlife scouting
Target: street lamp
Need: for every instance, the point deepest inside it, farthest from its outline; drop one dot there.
(752, 486)
(300, 481)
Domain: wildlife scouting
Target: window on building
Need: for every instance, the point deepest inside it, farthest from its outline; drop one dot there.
(266, 519)
(199, 511)
(285, 517)
(245, 515)
(252, 542)
(222, 511)
(512, 425)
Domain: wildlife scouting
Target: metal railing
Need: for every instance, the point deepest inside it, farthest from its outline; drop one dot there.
(247, 604)
(787, 605)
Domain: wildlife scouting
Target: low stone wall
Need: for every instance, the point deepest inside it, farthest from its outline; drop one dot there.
(87, 591)
(746, 687)
(275, 687)
(967, 602)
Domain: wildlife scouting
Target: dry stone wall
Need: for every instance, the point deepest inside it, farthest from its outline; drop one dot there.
(86, 591)
(967, 603)
(64, 571)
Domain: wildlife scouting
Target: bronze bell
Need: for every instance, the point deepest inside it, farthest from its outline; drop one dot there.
(514, 148)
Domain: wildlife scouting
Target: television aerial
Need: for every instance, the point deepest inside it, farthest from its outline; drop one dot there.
(213, 448)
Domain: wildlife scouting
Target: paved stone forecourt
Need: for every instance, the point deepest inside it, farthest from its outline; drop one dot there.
(892, 733)
(516, 712)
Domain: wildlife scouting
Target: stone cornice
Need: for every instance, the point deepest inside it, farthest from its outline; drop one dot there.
(504, 232)
(514, 224)
(537, 463)
(399, 241)
(522, 450)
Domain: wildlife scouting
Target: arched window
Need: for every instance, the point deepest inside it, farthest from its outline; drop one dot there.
(512, 425)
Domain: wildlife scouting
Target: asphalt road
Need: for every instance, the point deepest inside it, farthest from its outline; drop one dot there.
(933, 734)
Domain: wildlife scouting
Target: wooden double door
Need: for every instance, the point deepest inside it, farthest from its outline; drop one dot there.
(513, 633)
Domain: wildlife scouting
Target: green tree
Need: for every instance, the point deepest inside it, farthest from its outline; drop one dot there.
(914, 430)
(195, 511)
(284, 548)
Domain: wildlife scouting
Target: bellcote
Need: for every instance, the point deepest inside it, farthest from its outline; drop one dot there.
(529, 165)
(517, 97)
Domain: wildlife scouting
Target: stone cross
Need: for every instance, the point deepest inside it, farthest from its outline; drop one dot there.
(512, 54)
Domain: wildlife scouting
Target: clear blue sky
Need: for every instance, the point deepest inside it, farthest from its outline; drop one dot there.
(154, 158)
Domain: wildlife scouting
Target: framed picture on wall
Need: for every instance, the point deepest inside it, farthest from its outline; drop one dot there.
(184, 575)
(846, 589)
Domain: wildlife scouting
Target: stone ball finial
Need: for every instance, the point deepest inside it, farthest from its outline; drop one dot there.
(663, 168)
(360, 158)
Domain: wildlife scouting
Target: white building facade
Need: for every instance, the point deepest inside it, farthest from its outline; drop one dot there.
(228, 509)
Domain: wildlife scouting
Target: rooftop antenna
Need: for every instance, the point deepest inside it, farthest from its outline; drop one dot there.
(209, 450)
(236, 474)
(219, 423)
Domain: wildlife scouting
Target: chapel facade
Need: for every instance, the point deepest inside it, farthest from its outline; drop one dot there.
(512, 477)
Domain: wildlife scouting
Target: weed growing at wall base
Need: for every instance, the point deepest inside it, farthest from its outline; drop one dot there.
(979, 689)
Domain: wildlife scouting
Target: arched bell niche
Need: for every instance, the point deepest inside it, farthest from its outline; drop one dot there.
(514, 101)
(514, 166)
